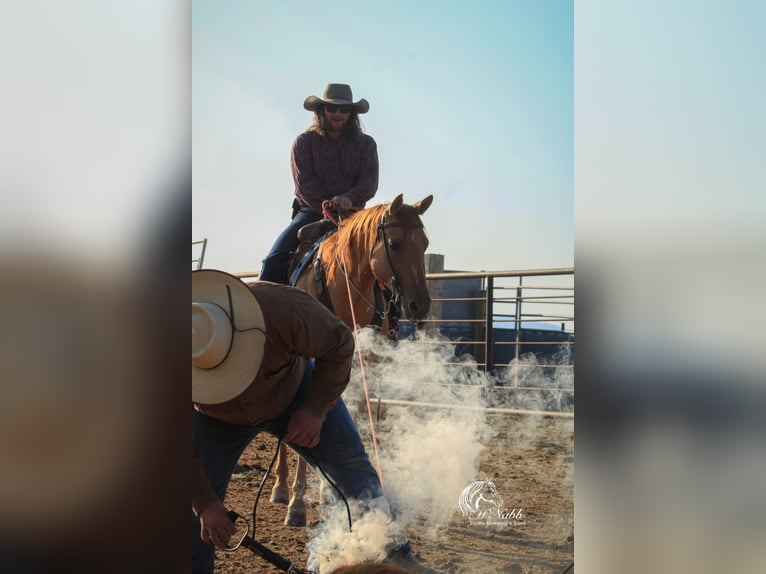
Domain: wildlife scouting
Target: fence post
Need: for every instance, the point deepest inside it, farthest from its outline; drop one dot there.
(200, 260)
(488, 334)
(202, 254)
(518, 334)
(434, 264)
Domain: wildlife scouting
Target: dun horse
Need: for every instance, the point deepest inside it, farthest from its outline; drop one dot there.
(381, 244)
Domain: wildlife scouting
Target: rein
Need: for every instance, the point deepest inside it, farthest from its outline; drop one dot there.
(361, 363)
(392, 308)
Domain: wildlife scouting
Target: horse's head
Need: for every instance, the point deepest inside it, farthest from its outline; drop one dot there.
(398, 256)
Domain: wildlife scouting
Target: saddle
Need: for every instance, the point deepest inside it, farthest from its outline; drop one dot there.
(312, 231)
(311, 237)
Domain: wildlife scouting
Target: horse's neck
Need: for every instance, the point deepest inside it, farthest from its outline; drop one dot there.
(359, 273)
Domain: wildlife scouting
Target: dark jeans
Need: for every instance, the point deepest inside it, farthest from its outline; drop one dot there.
(340, 453)
(274, 266)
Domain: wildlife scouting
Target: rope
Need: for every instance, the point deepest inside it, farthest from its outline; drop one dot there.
(263, 481)
(361, 361)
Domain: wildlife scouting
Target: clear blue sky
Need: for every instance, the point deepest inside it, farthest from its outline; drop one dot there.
(469, 101)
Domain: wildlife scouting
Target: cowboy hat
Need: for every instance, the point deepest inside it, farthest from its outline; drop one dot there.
(336, 94)
(228, 336)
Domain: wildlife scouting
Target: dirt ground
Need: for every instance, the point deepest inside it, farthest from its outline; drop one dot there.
(531, 461)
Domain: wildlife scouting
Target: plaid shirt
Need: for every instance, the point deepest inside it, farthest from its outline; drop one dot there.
(324, 167)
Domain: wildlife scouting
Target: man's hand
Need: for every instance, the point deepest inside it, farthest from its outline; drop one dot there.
(303, 428)
(215, 525)
(342, 202)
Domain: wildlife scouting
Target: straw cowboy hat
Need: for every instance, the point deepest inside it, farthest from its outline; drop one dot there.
(339, 94)
(228, 336)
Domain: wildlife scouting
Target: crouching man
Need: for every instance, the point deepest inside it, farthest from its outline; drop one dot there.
(251, 373)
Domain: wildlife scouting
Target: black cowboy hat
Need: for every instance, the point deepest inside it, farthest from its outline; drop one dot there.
(339, 94)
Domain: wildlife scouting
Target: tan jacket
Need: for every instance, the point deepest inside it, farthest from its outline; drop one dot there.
(297, 327)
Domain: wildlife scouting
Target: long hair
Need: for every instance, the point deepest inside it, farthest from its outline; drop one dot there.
(352, 130)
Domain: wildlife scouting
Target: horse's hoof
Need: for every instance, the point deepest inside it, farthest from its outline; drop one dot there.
(280, 495)
(296, 513)
(296, 521)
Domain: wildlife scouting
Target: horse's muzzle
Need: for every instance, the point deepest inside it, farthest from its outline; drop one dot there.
(416, 309)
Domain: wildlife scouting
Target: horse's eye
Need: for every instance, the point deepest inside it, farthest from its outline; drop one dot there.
(395, 245)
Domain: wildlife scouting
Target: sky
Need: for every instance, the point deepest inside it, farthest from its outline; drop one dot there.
(469, 101)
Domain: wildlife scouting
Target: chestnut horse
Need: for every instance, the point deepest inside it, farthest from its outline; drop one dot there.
(381, 244)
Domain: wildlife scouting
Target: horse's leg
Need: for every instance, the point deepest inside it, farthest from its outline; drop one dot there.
(280, 494)
(296, 510)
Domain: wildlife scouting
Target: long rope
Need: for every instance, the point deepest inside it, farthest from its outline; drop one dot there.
(263, 482)
(316, 462)
(361, 361)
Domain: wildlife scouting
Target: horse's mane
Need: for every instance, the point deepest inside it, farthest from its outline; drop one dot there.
(357, 235)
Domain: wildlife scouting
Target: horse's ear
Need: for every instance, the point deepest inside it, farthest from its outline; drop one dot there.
(396, 204)
(423, 204)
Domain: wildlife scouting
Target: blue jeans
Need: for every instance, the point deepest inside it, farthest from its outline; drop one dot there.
(274, 265)
(340, 453)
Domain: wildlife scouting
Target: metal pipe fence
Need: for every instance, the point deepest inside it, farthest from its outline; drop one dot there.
(480, 299)
(517, 326)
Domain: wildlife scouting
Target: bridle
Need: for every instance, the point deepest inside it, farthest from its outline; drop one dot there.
(381, 232)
